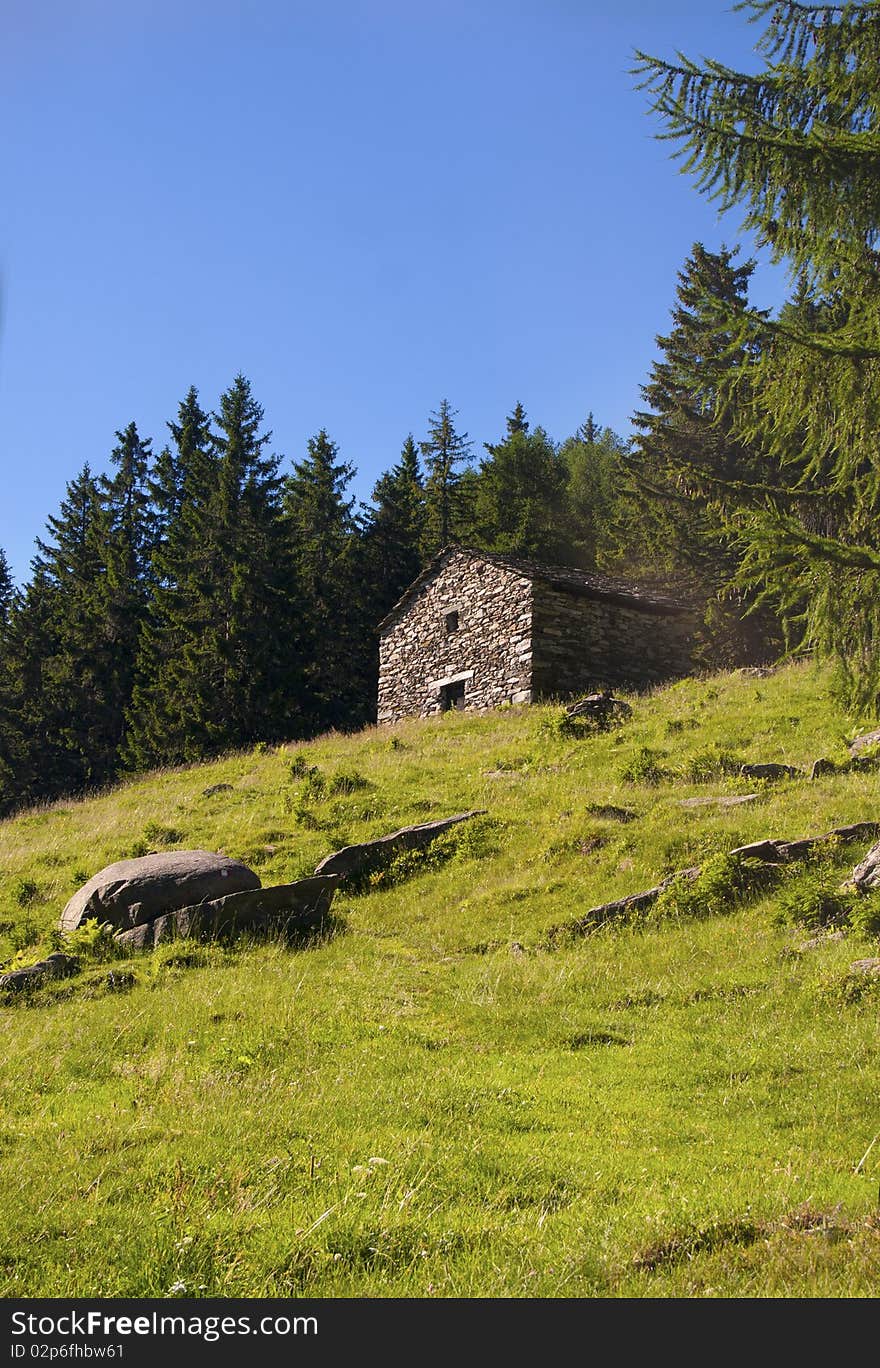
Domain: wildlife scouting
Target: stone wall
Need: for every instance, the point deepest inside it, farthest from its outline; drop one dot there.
(582, 644)
(489, 651)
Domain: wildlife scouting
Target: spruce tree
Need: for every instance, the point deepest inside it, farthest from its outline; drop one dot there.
(64, 663)
(394, 531)
(796, 148)
(447, 514)
(516, 422)
(6, 586)
(182, 485)
(520, 494)
(589, 432)
(127, 532)
(338, 650)
(230, 667)
(691, 473)
(36, 758)
(594, 501)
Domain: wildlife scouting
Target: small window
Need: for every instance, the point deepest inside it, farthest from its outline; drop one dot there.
(451, 622)
(452, 697)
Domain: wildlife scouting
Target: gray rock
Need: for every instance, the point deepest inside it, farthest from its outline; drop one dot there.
(816, 942)
(354, 859)
(216, 788)
(132, 892)
(867, 872)
(865, 966)
(770, 771)
(55, 966)
(291, 907)
(863, 742)
(720, 800)
(600, 707)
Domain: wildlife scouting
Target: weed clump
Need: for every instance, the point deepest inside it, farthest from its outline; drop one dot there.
(155, 834)
(347, 781)
(645, 767)
(25, 892)
(711, 764)
(864, 916)
(91, 940)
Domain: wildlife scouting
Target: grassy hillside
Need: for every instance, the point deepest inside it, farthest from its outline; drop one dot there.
(435, 1098)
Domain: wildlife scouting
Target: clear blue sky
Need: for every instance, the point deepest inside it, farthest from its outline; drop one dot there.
(364, 205)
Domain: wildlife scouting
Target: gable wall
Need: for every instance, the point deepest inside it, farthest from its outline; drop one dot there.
(583, 644)
(492, 646)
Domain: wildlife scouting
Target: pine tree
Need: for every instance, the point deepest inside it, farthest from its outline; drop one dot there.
(796, 148)
(446, 506)
(590, 524)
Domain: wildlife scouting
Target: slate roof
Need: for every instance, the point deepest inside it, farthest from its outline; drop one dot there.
(585, 583)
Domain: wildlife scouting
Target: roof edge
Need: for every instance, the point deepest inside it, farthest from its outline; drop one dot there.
(619, 594)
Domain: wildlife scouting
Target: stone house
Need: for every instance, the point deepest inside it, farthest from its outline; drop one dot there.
(476, 630)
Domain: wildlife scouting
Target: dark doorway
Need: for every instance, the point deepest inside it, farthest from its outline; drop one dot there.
(452, 696)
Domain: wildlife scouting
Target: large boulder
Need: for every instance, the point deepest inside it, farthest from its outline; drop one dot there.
(132, 892)
(292, 908)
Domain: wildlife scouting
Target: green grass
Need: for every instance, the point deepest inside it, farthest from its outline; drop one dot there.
(429, 1101)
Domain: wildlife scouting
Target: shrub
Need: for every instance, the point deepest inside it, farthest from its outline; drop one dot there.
(157, 834)
(814, 903)
(723, 882)
(865, 915)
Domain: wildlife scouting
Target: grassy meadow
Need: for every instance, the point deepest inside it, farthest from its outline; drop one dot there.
(440, 1096)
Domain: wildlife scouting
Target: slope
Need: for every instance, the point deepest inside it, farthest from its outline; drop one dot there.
(434, 1098)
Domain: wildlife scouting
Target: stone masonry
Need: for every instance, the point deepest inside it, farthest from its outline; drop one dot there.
(488, 651)
(477, 630)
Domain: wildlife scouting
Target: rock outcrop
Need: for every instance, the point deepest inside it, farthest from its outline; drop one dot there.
(53, 967)
(770, 771)
(866, 874)
(357, 859)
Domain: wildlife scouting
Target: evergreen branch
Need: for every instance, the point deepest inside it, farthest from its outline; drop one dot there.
(791, 540)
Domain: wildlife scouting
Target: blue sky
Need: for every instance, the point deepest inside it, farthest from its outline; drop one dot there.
(364, 205)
